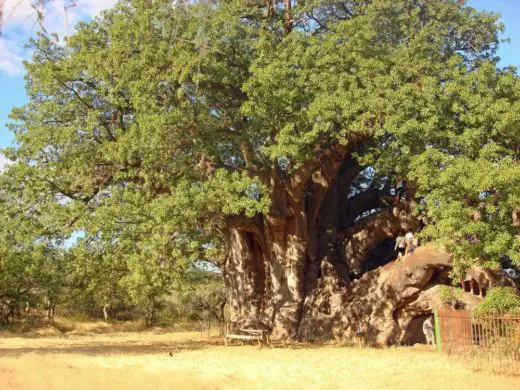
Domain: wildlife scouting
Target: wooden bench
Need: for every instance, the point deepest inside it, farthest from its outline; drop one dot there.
(248, 334)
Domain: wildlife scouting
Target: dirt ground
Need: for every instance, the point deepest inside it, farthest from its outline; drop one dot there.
(157, 360)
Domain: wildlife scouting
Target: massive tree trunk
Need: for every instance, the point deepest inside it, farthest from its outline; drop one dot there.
(293, 271)
(322, 262)
(384, 300)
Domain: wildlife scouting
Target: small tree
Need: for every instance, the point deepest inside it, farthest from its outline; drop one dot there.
(204, 291)
(50, 271)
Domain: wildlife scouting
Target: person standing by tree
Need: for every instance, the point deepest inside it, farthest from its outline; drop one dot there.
(400, 246)
(429, 332)
(410, 243)
(360, 334)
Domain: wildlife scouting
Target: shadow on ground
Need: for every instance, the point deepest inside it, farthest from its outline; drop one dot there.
(112, 348)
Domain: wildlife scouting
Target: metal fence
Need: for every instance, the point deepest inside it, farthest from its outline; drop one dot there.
(486, 342)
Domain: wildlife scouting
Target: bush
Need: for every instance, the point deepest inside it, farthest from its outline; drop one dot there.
(450, 296)
(504, 299)
(204, 294)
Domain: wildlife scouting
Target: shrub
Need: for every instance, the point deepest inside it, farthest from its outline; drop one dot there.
(500, 299)
(450, 296)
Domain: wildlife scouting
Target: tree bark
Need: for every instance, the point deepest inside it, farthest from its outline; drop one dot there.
(50, 313)
(288, 22)
(275, 260)
(106, 315)
(244, 274)
(299, 273)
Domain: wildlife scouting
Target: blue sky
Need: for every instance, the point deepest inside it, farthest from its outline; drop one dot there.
(21, 24)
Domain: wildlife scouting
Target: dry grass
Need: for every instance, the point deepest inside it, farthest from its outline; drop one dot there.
(38, 327)
(143, 361)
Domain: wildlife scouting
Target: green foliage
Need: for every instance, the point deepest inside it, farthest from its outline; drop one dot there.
(203, 292)
(501, 299)
(469, 181)
(450, 295)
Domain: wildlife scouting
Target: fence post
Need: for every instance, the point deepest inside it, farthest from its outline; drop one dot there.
(437, 330)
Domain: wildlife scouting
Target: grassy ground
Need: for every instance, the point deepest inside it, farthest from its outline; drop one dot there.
(141, 360)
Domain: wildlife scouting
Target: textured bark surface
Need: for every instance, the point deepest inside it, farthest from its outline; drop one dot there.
(382, 300)
(322, 261)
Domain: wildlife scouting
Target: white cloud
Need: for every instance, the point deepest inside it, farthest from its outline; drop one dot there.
(10, 58)
(20, 12)
(94, 7)
(17, 12)
(20, 23)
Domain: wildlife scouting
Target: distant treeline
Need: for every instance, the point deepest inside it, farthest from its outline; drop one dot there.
(49, 283)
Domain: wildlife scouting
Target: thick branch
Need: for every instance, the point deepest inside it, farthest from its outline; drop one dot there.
(71, 89)
(241, 222)
(327, 163)
(370, 231)
(370, 199)
(247, 154)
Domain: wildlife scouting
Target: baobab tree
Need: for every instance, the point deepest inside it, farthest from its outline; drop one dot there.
(268, 136)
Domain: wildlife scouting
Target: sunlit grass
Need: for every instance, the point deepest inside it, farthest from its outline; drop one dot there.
(187, 360)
